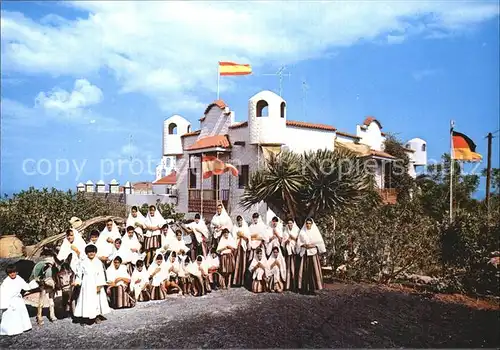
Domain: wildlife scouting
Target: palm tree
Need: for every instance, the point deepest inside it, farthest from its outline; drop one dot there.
(309, 184)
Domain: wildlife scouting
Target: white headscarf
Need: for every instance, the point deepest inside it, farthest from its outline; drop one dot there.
(212, 262)
(183, 269)
(292, 236)
(281, 271)
(312, 236)
(193, 268)
(176, 245)
(129, 243)
(223, 220)
(66, 250)
(174, 265)
(105, 248)
(261, 230)
(153, 221)
(167, 239)
(224, 243)
(259, 273)
(160, 276)
(244, 230)
(272, 241)
(136, 222)
(112, 274)
(142, 277)
(200, 229)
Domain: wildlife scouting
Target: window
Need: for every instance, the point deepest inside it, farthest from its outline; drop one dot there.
(262, 109)
(282, 109)
(192, 177)
(189, 128)
(243, 177)
(423, 147)
(172, 129)
(168, 163)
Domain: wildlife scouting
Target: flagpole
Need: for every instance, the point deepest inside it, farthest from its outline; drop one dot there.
(217, 186)
(218, 80)
(452, 124)
(201, 185)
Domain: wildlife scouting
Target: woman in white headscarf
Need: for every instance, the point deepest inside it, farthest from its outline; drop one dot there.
(178, 245)
(242, 235)
(259, 269)
(152, 238)
(137, 220)
(118, 280)
(226, 249)
(140, 282)
(289, 244)
(310, 245)
(258, 235)
(201, 235)
(106, 240)
(277, 269)
(185, 280)
(73, 245)
(172, 266)
(158, 274)
(274, 234)
(198, 270)
(220, 221)
(130, 250)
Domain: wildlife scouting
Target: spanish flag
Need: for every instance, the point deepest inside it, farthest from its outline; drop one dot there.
(231, 68)
(464, 148)
(214, 166)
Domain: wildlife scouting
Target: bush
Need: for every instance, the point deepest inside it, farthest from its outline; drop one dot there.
(34, 214)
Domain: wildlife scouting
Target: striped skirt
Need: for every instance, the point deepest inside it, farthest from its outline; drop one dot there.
(158, 293)
(144, 295)
(259, 286)
(227, 263)
(201, 249)
(310, 278)
(240, 267)
(275, 284)
(291, 272)
(153, 242)
(120, 298)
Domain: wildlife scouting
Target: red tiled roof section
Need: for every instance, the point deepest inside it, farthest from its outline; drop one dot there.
(193, 133)
(170, 179)
(211, 141)
(310, 125)
(238, 125)
(369, 120)
(381, 154)
(219, 103)
(143, 185)
(341, 133)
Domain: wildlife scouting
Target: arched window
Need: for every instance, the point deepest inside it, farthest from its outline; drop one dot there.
(189, 128)
(163, 173)
(262, 109)
(282, 109)
(172, 129)
(423, 147)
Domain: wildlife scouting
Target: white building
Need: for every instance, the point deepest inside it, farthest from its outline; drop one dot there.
(173, 128)
(244, 144)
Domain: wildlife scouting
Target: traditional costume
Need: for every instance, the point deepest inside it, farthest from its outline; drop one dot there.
(137, 222)
(242, 235)
(274, 236)
(105, 248)
(310, 277)
(199, 271)
(176, 245)
(15, 317)
(258, 236)
(289, 244)
(166, 239)
(201, 236)
(119, 292)
(226, 249)
(277, 269)
(219, 222)
(67, 250)
(139, 284)
(158, 291)
(260, 273)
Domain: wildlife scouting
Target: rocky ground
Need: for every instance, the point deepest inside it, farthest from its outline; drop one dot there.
(342, 316)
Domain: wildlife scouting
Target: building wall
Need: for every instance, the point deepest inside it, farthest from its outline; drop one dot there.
(371, 136)
(150, 199)
(301, 139)
(216, 122)
(162, 189)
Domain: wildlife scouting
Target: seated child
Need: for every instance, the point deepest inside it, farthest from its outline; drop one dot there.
(15, 317)
(277, 267)
(260, 272)
(172, 267)
(119, 285)
(140, 282)
(158, 274)
(198, 270)
(226, 249)
(183, 275)
(213, 263)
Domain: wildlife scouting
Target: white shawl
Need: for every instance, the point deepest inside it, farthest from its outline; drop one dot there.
(272, 240)
(172, 267)
(66, 250)
(182, 265)
(200, 230)
(194, 268)
(154, 221)
(258, 229)
(261, 272)
(211, 262)
(126, 252)
(176, 246)
(290, 237)
(138, 281)
(137, 222)
(224, 243)
(221, 221)
(106, 248)
(166, 240)
(276, 271)
(312, 236)
(112, 274)
(244, 231)
(161, 276)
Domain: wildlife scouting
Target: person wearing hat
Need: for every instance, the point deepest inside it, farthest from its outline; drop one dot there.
(76, 222)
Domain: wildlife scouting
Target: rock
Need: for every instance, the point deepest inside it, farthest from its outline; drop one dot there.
(10, 247)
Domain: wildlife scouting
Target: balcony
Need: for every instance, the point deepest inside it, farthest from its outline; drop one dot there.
(209, 200)
(388, 195)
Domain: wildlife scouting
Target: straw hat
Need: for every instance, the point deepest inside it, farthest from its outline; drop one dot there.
(75, 222)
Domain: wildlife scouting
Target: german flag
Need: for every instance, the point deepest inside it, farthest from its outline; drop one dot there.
(231, 68)
(464, 148)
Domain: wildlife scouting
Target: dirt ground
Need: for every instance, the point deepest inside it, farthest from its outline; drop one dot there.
(343, 316)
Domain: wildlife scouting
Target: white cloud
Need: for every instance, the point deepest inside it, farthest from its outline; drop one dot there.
(169, 50)
(72, 103)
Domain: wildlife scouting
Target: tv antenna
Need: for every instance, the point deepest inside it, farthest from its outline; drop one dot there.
(281, 73)
(305, 87)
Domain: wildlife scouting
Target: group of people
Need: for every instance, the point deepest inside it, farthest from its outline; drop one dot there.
(151, 259)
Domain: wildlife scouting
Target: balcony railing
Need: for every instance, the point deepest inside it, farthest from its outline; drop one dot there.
(209, 200)
(388, 195)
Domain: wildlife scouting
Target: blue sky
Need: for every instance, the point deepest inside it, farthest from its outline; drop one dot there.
(91, 83)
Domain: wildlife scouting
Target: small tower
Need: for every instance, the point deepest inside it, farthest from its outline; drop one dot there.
(89, 186)
(127, 188)
(100, 186)
(114, 186)
(173, 128)
(419, 156)
(80, 187)
(267, 119)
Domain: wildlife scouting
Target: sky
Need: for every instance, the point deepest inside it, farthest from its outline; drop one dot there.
(86, 85)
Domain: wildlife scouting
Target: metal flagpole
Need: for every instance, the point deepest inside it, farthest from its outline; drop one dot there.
(218, 79)
(201, 185)
(217, 186)
(452, 124)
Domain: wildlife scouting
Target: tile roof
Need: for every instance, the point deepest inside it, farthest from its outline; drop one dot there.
(309, 125)
(192, 133)
(381, 154)
(368, 120)
(211, 141)
(170, 179)
(219, 103)
(238, 125)
(341, 133)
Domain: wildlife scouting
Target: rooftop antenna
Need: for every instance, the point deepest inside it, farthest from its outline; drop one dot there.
(281, 73)
(130, 147)
(305, 87)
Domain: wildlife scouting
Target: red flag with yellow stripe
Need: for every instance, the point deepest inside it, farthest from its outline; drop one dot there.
(464, 148)
(214, 166)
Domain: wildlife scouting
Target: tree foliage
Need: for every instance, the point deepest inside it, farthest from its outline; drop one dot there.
(398, 176)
